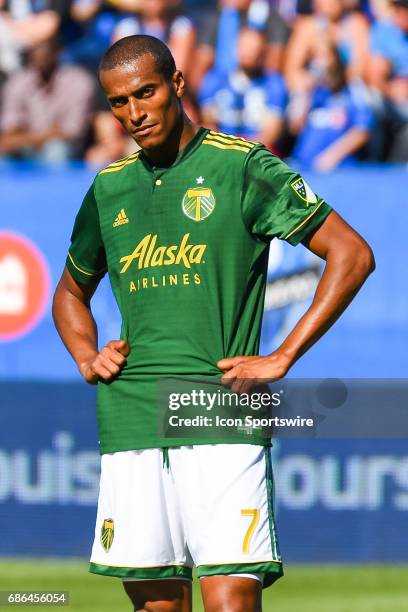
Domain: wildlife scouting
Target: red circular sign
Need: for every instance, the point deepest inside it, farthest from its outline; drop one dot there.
(24, 285)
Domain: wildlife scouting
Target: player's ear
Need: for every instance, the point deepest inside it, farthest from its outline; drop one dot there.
(178, 83)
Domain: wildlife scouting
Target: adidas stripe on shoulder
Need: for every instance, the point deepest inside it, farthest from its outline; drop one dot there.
(121, 163)
(228, 142)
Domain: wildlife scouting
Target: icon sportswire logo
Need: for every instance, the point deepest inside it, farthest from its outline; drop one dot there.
(121, 219)
(149, 254)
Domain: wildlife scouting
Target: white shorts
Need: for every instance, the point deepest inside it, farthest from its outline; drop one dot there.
(163, 511)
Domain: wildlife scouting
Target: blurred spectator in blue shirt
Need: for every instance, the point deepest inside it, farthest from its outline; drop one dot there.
(162, 19)
(389, 75)
(338, 122)
(95, 21)
(246, 101)
(332, 20)
(389, 45)
(217, 39)
(378, 10)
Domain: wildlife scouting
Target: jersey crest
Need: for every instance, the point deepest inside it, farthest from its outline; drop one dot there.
(198, 203)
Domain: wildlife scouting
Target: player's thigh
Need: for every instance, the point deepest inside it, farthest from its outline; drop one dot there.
(168, 595)
(231, 593)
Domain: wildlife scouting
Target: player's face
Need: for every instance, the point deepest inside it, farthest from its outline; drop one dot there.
(143, 101)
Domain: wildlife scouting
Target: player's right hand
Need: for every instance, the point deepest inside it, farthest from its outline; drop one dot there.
(108, 362)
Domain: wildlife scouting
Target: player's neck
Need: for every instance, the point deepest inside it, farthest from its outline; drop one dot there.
(166, 155)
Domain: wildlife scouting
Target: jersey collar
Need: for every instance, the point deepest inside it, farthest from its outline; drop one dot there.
(191, 146)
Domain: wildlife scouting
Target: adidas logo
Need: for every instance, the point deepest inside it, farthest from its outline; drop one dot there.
(121, 219)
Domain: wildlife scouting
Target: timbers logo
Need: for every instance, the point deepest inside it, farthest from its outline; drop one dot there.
(107, 533)
(198, 203)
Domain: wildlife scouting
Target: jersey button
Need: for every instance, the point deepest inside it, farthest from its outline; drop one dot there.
(158, 182)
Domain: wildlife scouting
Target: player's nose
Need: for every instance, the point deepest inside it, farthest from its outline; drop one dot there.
(136, 113)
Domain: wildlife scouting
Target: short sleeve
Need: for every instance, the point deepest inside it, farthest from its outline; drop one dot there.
(86, 259)
(276, 201)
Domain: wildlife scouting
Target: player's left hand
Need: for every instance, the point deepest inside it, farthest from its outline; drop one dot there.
(242, 373)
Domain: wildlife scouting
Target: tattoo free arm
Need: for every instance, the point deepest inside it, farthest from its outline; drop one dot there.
(77, 328)
(349, 261)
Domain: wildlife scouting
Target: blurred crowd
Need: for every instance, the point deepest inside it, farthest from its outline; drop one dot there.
(321, 82)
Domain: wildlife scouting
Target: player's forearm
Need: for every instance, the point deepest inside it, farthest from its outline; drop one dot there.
(343, 276)
(76, 326)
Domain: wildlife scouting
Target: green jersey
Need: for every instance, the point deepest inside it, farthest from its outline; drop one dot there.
(186, 249)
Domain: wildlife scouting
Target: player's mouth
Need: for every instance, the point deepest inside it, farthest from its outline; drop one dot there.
(143, 131)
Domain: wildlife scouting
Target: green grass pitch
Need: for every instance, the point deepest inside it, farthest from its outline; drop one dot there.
(331, 588)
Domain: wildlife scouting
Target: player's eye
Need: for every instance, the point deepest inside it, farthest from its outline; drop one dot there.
(118, 102)
(147, 92)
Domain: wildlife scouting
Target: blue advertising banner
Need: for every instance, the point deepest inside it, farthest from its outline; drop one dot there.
(336, 500)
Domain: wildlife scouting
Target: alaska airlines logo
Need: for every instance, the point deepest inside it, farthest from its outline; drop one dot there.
(198, 203)
(149, 255)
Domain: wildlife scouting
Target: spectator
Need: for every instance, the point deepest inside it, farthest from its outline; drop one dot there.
(246, 101)
(218, 37)
(23, 24)
(95, 21)
(109, 141)
(199, 10)
(389, 74)
(46, 108)
(347, 30)
(339, 120)
(379, 9)
(162, 19)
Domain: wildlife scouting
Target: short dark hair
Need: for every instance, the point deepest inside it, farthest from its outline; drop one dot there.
(131, 48)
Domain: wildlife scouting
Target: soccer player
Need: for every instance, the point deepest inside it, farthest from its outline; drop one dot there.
(183, 228)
